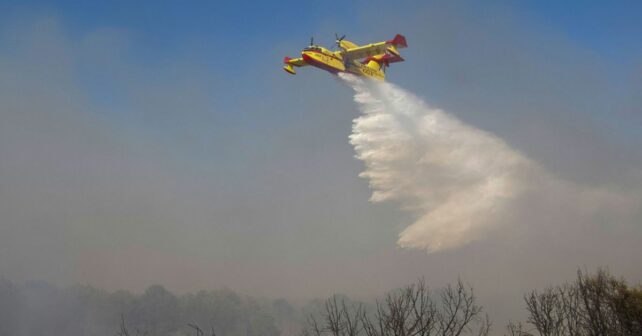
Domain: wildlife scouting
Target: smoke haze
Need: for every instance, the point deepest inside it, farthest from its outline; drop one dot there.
(133, 153)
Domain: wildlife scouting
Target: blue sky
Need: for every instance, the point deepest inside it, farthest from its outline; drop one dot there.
(237, 39)
(610, 28)
(241, 43)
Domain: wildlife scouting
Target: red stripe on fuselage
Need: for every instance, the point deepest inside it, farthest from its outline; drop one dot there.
(329, 55)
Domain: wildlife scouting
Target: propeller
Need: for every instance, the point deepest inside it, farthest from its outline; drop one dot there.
(311, 41)
(339, 39)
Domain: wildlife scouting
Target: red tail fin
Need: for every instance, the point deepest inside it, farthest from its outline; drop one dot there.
(399, 41)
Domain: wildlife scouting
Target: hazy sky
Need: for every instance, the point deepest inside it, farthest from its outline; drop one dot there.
(160, 142)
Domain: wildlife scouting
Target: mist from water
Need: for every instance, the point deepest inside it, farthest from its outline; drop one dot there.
(461, 183)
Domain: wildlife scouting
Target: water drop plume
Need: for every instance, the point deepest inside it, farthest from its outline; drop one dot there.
(456, 179)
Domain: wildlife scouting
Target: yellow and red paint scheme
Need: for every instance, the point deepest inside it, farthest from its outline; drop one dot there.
(369, 60)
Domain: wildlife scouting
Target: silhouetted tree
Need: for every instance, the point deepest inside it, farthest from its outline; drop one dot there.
(410, 311)
(593, 305)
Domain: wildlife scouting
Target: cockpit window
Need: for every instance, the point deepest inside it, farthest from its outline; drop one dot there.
(314, 48)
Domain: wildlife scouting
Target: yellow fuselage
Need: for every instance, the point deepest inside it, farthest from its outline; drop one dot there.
(334, 63)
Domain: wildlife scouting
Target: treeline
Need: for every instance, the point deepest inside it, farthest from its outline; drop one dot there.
(593, 305)
(38, 308)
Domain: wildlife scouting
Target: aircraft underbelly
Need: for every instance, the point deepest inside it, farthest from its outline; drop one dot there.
(365, 71)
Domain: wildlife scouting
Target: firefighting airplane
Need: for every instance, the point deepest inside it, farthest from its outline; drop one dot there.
(369, 60)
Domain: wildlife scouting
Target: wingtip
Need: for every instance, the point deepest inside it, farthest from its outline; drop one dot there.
(289, 69)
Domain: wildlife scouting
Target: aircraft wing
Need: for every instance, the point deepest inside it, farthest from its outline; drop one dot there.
(375, 48)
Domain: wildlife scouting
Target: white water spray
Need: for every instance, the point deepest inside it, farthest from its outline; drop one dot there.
(462, 183)
(455, 178)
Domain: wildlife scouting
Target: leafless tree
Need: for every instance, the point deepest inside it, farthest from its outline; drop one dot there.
(410, 311)
(338, 320)
(200, 331)
(196, 328)
(123, 329)
(546, 312)
(570, 301)
(458, 310)
(516, 329)
(593, 305)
